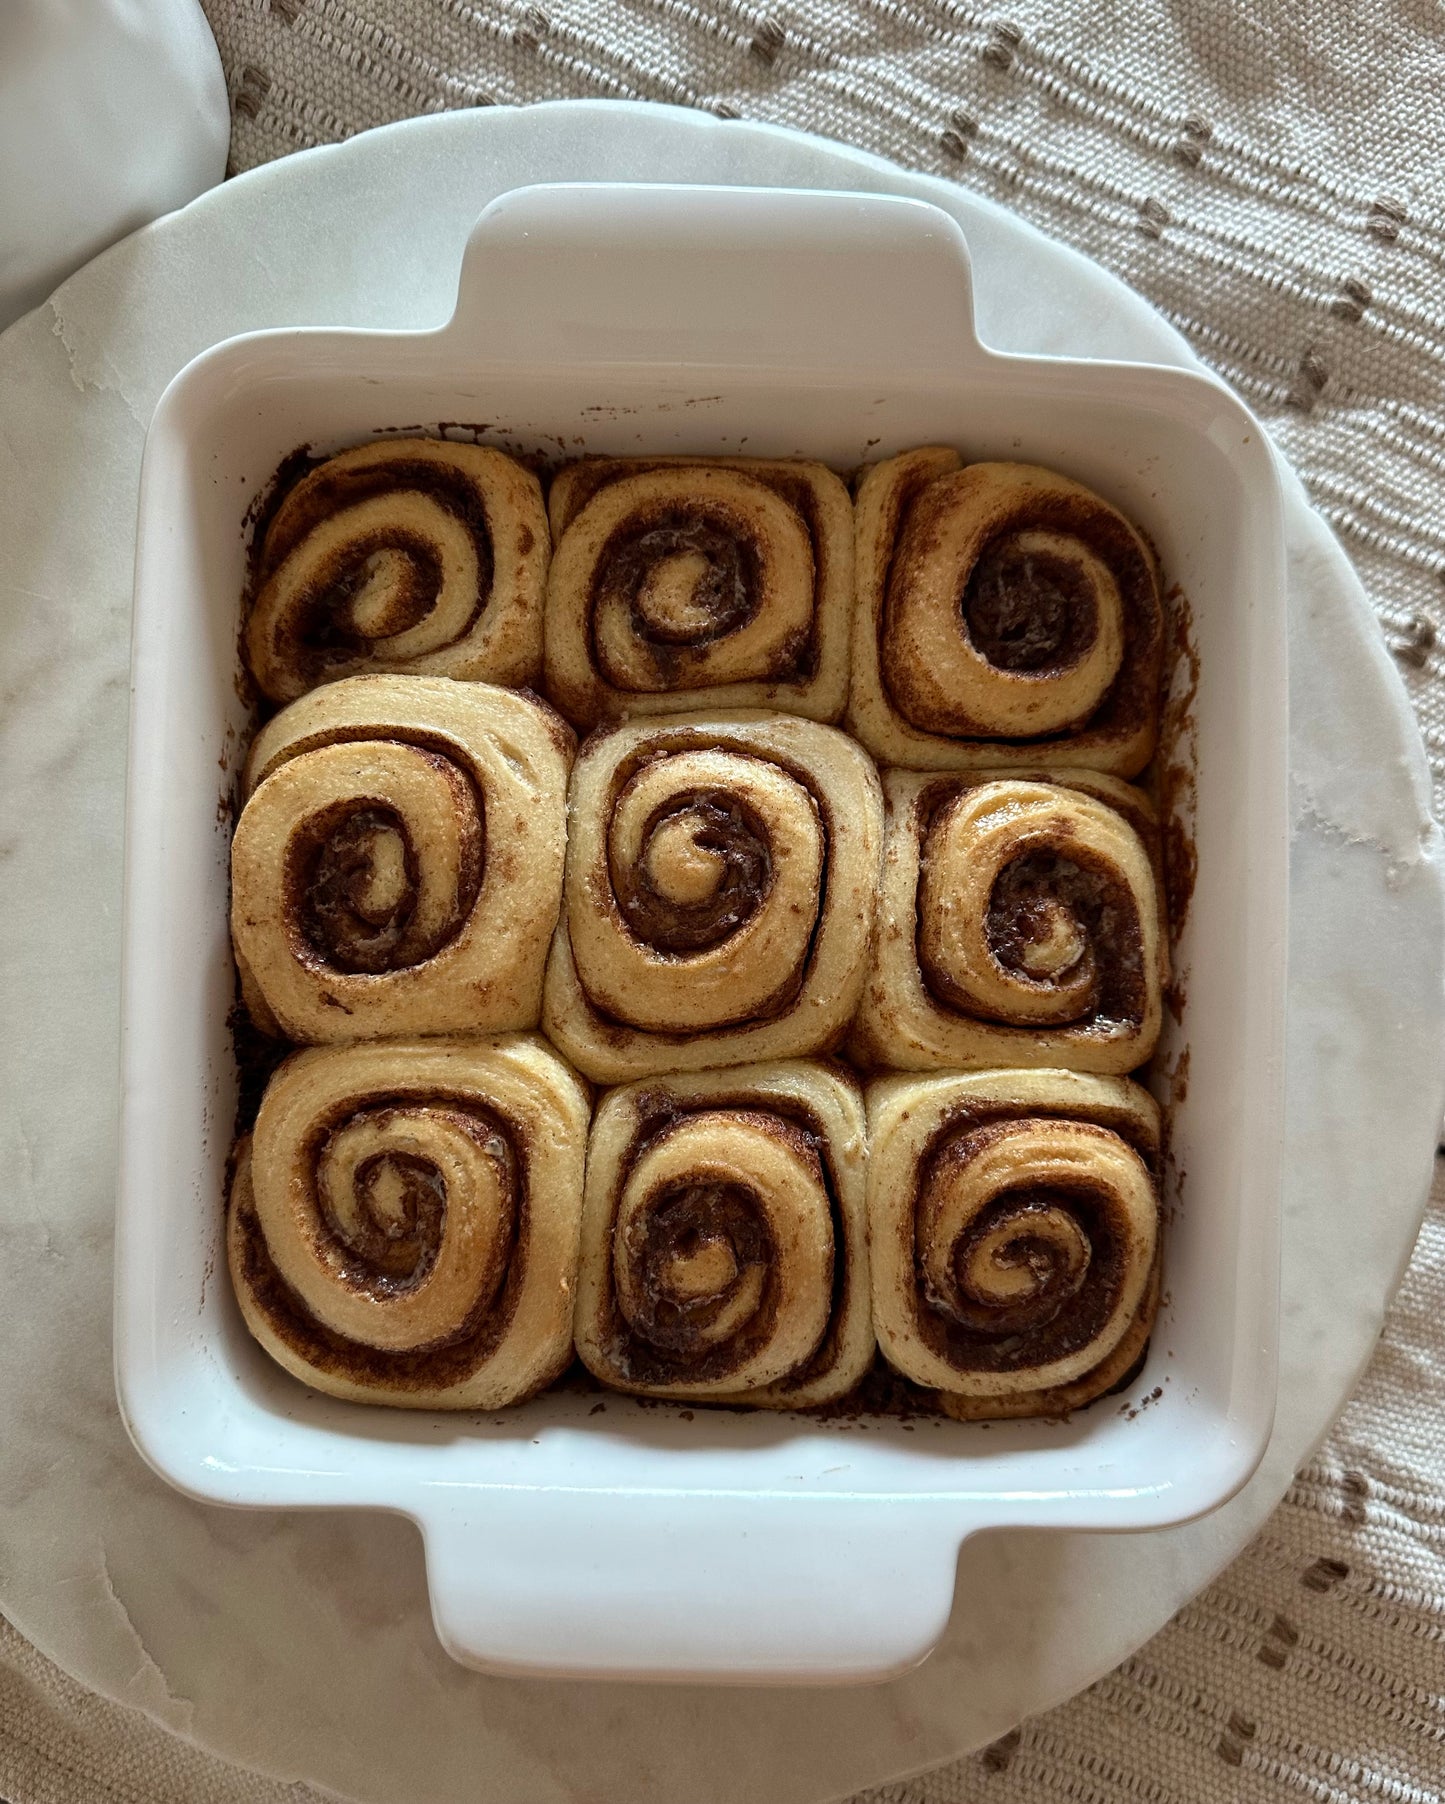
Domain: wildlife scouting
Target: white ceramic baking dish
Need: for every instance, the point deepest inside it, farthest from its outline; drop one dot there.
(638, 1541)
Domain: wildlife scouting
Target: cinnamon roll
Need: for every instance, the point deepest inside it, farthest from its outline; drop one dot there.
(1006, 614)
(412, 554)
(721, 873)
(397, 867)
(1020, 923)
(724, 1245)
(403, 1224)
(685, 583)
(1014, 1233)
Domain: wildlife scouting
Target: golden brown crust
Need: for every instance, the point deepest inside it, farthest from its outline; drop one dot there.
(1020, 924)
(721, 878)
(397, 867)
(1014, 1234)
(408, 555)
(684, 583)
(725, 1252)
(403, 1223)
(1006, 615)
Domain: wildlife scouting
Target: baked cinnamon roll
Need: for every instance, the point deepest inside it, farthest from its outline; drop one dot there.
(403, 1224)
(1014, 1234)
(687, 583)
(397, 867)
(721, 874)
(1020, 923)
(1006, 615)
(724, 1245)
(414, 555)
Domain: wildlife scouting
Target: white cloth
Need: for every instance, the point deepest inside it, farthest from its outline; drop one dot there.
(112, 112)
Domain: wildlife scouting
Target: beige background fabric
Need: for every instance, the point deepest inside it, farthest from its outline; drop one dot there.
(1272, 178)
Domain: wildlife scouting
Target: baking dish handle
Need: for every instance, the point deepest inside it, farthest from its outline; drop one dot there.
(662, 1586)
(575, 274)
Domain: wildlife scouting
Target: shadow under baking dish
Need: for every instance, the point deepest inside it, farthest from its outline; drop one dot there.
(826, 326)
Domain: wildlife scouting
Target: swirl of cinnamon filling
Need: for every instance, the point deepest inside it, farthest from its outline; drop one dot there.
(1002, 602)
(409, 555)
(1021, 925)
(715, 863)
(686, 583)
(724, 1250)
(720, 885)
(397, 867)
(1015, 1225)
(404, 1219)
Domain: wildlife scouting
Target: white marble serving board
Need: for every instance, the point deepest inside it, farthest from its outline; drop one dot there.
(302, 1644)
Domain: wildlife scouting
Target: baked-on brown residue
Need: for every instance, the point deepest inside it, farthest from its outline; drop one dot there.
(881, 1392)
(256, 1056)
(1177, 785)
(255, 525)
(1177, 764)
(256, 1053)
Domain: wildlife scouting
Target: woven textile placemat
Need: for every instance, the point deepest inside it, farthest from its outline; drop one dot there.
(1272, 179)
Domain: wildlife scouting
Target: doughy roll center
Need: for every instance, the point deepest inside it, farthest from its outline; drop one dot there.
(1026, 892)
(1038, 1237)
(403, 1235)
(715, 861)
(721, 1220)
